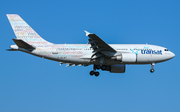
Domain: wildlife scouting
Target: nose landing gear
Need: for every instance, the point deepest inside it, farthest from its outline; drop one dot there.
(152, 65)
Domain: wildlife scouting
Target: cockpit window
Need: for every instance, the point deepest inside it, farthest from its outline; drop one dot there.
(166, 50)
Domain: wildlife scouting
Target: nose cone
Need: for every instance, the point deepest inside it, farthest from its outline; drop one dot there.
(170, 55)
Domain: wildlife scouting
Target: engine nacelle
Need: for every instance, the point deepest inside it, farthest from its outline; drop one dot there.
(126, 57)
(120, 68)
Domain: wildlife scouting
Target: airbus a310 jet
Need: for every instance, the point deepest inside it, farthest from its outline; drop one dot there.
(108, 57)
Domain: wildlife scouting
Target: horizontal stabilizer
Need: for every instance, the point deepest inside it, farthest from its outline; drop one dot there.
(11, 50)
(21, 44)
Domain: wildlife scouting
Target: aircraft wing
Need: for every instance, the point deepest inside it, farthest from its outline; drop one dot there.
(98, 45)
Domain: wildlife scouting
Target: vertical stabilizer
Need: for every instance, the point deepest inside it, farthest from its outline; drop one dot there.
(24, 32)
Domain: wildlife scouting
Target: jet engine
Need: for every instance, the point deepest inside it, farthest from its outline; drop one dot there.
(126, 57)
(120, 68)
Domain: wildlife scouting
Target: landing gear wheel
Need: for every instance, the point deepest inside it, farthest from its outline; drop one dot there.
(98, 67)
(91, 73)
(96, 74)
(152, 70)
(103, 67)
(152, 65)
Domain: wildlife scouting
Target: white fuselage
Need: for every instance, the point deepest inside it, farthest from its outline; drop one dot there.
(81, 53)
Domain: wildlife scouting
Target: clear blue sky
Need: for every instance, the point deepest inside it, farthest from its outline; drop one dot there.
(32, 84)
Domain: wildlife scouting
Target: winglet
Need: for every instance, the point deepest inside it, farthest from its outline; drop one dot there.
(87, 33)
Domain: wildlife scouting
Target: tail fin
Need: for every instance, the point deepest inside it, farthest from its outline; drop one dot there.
(24, 32)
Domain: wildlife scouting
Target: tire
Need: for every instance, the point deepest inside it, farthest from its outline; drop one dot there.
(98, 67)
(103, 68)
(152, 70)
(91, 73)
(96, 74)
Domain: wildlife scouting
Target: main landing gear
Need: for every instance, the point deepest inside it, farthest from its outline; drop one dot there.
(152, 65)
(94, 72)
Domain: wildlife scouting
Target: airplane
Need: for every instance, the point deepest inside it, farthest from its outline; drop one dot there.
(107, 57)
